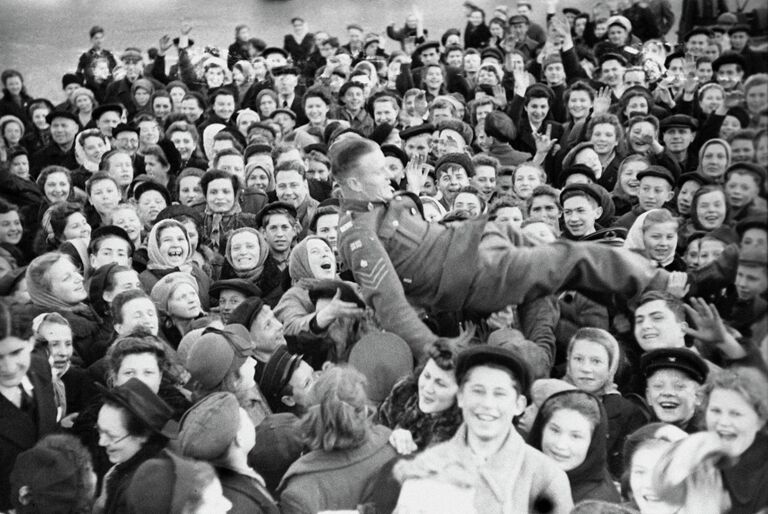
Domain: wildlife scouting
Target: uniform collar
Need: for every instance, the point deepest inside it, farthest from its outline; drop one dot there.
(349, 204)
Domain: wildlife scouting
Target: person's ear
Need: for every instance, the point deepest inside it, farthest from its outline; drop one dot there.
(288, 400)
(670, 195)
(598, 212)
(92, 260)
(521, 404)
(648, 395)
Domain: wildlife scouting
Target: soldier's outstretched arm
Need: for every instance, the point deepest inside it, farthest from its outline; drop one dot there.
(365, 256)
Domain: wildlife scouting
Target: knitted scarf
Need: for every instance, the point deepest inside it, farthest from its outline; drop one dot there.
(216, 223)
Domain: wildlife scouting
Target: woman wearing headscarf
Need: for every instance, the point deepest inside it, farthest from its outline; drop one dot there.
(319, 333)
(168, 250)
(714, 159)
(571, 428)
(623, 415)
(245, 254)
(55, 285)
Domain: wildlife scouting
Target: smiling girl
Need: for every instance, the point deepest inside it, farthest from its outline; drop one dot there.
(168, 248)
(654, 234)
(571, 428)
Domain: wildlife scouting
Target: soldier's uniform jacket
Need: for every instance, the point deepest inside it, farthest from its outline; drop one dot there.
(393, 253)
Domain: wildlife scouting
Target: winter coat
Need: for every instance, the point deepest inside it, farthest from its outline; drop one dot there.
(18, 430)
(336, 480)
(512, 479)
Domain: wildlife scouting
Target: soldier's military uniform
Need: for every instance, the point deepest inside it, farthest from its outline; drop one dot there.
(396, 256)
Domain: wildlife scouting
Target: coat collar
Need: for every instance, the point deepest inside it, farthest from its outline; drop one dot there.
(322, 461)
(500, 469)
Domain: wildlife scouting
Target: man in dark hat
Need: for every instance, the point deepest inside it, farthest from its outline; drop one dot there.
(428, 53)
(657, 187)
(674, 377)
(354, 44)
(678, 132)
(61, 150)
(110, 244)
(286, 382)
(518, 38)
(729, 71)
(500, 130)
(754, 61)
(417, 140)
(120, 91)
(230, 293)
(581, 210)
(286, 82)
(27, 404)
(352, 107)
(126, 138)
(453, 172)
(266, 331)
(753, 233)
(394, 253)
(107, 117)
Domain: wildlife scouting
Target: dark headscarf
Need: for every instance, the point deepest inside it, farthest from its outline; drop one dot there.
(593, 472)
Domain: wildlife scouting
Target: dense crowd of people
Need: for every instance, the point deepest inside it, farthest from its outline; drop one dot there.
(510, 268)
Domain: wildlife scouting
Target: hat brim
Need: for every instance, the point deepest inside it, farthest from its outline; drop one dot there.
(169, 430)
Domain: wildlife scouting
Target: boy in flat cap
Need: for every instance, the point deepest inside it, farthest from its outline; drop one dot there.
(493, 386)
(219, 431)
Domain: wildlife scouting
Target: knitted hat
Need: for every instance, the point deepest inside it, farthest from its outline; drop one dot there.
(463, 129)
(551, 59)
(44, 480)
(70, 78)
(210, 426)
(459, 159)
(162, 485)
(217, 353)
(164, 288)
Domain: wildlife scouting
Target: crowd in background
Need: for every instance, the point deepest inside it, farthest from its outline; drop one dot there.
(205, 257)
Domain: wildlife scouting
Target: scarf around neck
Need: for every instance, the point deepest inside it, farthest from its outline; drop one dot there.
(214, 221)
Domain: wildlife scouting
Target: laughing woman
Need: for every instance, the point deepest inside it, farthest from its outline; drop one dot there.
(737, 411)
(168, 249)
(320, 334)
(421, 410)
(55, 285)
